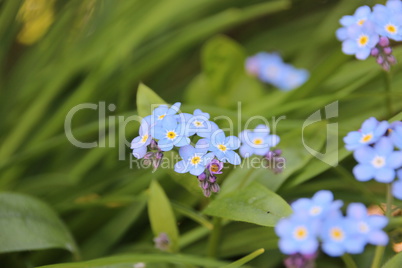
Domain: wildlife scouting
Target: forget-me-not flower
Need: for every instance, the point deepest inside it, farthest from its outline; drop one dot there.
(396, 136)
(163, 110)
(360, 40)
(361, 15)
(170, 133)
(378, 162)
(257, 142)
(223, 147)
(370, 132)
(388, 19)
(140, 143)
(195, 159)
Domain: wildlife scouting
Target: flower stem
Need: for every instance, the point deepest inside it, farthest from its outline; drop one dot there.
(388, 99)
(379, 251)
(348, 260)
(214, 238)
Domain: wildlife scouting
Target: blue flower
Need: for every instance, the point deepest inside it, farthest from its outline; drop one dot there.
(361, 15)
(319, 206)
(197, 123)
(366, 228)
(140, 143)
(170, 133)
(388, 19)
(163, 110)
(336, 235)
(271, 69)
(195, 159)
(360, 40)
(257, 142)
(396, 135)
(223, 147)
(397, 186)
(297, 234)
(379, 162)
(370, 132)
(292, 77)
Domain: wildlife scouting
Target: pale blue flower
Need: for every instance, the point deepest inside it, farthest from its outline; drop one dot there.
(361, 15)
(223, 147)
(297, 234)
(197, 123)
(366, 228)
(140, 143)
(170, 133)
(292, 77)
(195, 160)
(360, 40)
(257, 142)
(370, 132)
(163, 110)
(378, 162)
(388, 19)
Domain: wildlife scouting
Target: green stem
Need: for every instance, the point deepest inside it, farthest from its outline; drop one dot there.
(388, 99)
(379, 252)
(214, 238)
(348, 260)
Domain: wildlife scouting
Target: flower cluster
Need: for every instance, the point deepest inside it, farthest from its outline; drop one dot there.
(270, 68)
(367, 32)
(377, 149)
(320, 220)
(259, 142)
(166, 129)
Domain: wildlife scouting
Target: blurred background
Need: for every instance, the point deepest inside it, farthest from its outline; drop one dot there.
(55, 55)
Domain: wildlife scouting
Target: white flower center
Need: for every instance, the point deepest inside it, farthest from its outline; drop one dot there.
(378, 161)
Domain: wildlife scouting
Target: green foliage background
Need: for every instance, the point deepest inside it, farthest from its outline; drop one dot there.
(60, 203)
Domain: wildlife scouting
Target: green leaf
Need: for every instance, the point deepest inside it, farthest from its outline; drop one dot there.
(146, 258)
(161, 215)
(147, 99)
(246, 259)
(254, 203)
(29, 224)
(395, 261)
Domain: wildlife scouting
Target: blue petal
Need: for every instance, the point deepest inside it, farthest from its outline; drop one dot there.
(218, 137)
(206, 159)
(381, 128)
(261, 151)
(283, 227)
(181, 166)
(363, 172)
(136, 142)
(233, 158)
(174, 108)
(364, 154)
(397, 189)
(355, 245)
(220, 155)
(202, 145)
(347, 20)
(165, 144)
(378, 238)
(232, 142)
(209, 131)
(288, 246)
(197, 170)
(349, 47)
(186, 152)
(181, 141)
(309, 247)
(169, 122)
(323, 196)
(363, 53)
(332, 249)
(246, 151)
(384, 146)
(356, 211)
(273, 140)
(362, 12)
(377, 221)
(369, 125)
(140, 152)
(384, 175)
(160, 110)
(395, 160)
(159, 132)
(352, 140)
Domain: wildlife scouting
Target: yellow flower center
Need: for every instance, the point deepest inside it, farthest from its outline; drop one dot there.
(214, 168)
(300, 233)
(378, 162)
(363, 40)
(144, 138)
(222, 147)
(315, 210)
(391, 28)
(198, 124)
(366, 138)
(258, 141)
(171, 135)
(361, 21)
(337, 234)
(161, 116)
(195, 160)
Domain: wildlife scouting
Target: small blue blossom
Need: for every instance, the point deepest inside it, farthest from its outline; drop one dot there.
(271, 68)
(292, 77)
(370, 132)
(297, 234)
(360, 40)
(378, 162)
(319, 206)
(140, 143)
(397, 186)
(361, 15)
(396, 136)
(195, 160)
(388, 19)
(170, 133)
(337, 239)
(197, 123)
(366, 228)
(257, 142)
(223, 147)
(163, 110)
